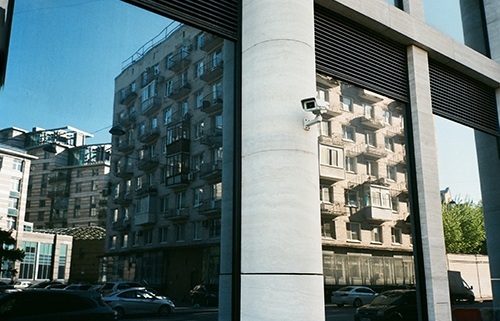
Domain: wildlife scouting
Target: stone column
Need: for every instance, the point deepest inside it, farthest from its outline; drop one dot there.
(415, 8)
(427, 174)
(281, 258)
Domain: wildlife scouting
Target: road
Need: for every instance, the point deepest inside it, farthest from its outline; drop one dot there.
(332, 312)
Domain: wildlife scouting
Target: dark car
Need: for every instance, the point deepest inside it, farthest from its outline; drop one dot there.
(44, 284)
(391, 306)
(110, 287)
(205, 294)
(49, 305)
(79, 287)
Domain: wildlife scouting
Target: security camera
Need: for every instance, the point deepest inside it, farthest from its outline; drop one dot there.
(315, 105)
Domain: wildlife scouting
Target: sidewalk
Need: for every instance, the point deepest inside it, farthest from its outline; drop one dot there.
(186, 307)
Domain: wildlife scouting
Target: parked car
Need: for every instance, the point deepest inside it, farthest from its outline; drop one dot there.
(22, 284)
(138, 301)
(390, 306)
(353, 295)
(116, 286)
(205, 294)
(7, 287)
(49, 305)
(43, 285)
(79, 287)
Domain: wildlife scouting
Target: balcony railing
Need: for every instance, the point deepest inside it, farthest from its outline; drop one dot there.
(211, 170)
(145, 218)
(211, 42)
(121, 224)
(334, 140)
(213, 69)
(211, 207)
(374, 152)
(373, 123)
(148, 162)
(127, 96)
(212, 137)
(180, 88)
(179, 61)
(333, 209)
(178, 214)
(150, 135)
(150, 105)
(211, 105)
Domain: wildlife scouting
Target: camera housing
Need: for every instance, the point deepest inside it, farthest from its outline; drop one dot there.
(315, 105)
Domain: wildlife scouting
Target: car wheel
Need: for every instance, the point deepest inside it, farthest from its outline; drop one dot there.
(340, 305)
(164, 311)
(119, 312)
(357, 303)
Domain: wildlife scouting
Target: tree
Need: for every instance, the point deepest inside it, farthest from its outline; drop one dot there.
(8, 252)
(463, 225)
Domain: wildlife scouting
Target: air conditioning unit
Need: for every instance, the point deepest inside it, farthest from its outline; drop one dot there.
(204, 223)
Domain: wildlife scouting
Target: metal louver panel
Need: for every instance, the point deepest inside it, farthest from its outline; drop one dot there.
(353, 53)
(462, 99)
(219, 17)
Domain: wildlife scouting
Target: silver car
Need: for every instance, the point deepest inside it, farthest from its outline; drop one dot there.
(353, 295)
(138, 301)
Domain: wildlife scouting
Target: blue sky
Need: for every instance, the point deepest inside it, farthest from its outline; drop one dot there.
(65, 54)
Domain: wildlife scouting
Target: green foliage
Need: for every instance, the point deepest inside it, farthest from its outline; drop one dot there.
(8, 252)
(463, 225)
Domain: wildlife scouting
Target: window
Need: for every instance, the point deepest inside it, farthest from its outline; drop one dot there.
(216, 191)
(216, 58)
(371, 139)
(394, 204)
(180, 200)
(115, 215)
(148, 92)
(196, 162)
(198, 196)
(76, 210)
(78, 188)
(325, 128)
(346, 103)
(13, 203)
(391, 173)
(198, 130)
(138, 182)
(184, 108)
(199, 69)
(328, 229)
(112, 242)
(45, 166)
(169, 87)
(154, 123)
(17, 165)
(379, 197)
(93, 185)
(124, 240)
(348, 133)
(199, 99)
(396, 235)
(387, 117)
(163, 234)
(15, 184)
(1, 161)
(164, 146)
(214, 229)
(148, 237)
(326, 194)
(170, 61)
(330, 156)
(368, 111)
(168, 116)
(350, 164)
(216, 90)
(197, 230)
(351, 198)
(377, 234)
(180, 230)
(135, 240)
(353, 231)
(200, 40)
(94, 211)
(156, 69)
(322, 93)
(372, 168)
(389, 143)
(142, 205)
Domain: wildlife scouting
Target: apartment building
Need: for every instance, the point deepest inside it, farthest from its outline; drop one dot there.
(47, 255)
(164, 224)
(68, 180)
(366, 233)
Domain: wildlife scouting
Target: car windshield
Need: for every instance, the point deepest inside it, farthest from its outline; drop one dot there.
(386, 299)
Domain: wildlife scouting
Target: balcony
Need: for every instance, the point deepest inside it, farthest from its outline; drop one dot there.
(59, 192)
(145, 218)
(178, 181)
(396, 131)
(178, 146)
(212, 137)
(334, 140)
(372, 123)
(150, 136)
(211, 42)
(127, 96)
(60, 177)
(126, 146)
(180, 89)
(179, 61)
(211, 207)
(180, 214)
(356, 150)
(370, 96)
(151, 105)
(125, 172)
(330, 174)
(213, 69)
(211, 171)
(123, 199)
(374, 152)
(148, 163)
(400, 189)
(121, 224)
(211, 105)
(377, 213)
(127, 121)
(147, 190)
(332, 209)
(398, 158)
